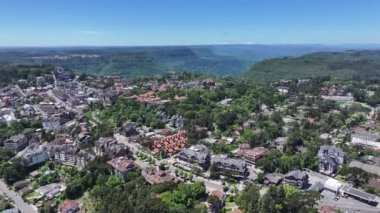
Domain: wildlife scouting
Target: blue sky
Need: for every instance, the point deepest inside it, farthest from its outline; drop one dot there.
(177, 22)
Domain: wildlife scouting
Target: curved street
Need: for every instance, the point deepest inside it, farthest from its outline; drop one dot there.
(16, 199)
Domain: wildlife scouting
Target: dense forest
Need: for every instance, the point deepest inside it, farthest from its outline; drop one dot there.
(365, 64)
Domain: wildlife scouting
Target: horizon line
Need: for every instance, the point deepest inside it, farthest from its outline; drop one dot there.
(178, 45)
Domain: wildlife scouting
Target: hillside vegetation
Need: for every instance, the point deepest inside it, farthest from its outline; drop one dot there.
(221, 60)
(128, 61)
(346, 64)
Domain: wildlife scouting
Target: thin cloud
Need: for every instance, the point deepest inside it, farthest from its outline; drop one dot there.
(225, 34)
(89, 32)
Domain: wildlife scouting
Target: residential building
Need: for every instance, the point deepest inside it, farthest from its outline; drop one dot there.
(330, 158)
(177, 121)
(365, 138)
(217, 205)
(69, 206)
(49, 191)
(70, 155)
(198, 154)
(155, 176)
(48, 108)
(170, 144)
(16, 143)
(51, 123)
(121, 166)
(367, 163)
(109, 146)
(84, 138)
(128, 129)
(234, 168)
(317, 187)
(34, 154)
(251, 155)
(148, 98)
(297, 178)
(272, 178)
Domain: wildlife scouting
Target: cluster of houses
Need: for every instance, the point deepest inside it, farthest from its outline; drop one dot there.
(170, 144)
(148, 98)
(68, 96)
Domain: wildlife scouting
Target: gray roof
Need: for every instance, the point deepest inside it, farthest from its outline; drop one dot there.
(230, 163)
(198, 153)
(331, 150)
(273, 177)
(359, 193)
(367, 136)
(318, 186)
(105, 141)
(297, 174)
(67, 148)
(329, 160)
(366, 167)
(16, 138)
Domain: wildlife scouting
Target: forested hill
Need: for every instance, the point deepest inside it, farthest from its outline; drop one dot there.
(128, 61)
(147, 61)
(345, 64)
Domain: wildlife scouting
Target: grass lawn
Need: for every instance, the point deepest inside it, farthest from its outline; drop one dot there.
(33, 197)
(340, 177)
(230, 206)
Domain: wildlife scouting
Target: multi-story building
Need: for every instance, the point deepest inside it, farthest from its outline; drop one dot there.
(70, 155)
(365, 138)
(330, 158)
(297, 178)
(109, 146)
(16, 143)
(34, 154)
(121, 166)
(197, 154)
(251, 155)
(230, 167)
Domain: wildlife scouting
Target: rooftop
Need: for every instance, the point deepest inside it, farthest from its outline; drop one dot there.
(358, 193)
(121, 164)
(154, 176)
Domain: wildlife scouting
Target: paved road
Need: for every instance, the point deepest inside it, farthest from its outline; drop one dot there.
(59, 101)
(16, 199)
(20, 90)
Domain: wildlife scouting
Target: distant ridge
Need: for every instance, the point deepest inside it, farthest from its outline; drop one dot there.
(345, 64)
(221, 60)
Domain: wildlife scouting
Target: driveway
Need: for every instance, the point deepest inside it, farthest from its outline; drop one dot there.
(16, 199)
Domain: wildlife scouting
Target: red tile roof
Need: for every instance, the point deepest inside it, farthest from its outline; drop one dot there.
(219, 194)
(326, 209)
(69, 206)
(170, 144)
(121, 164)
